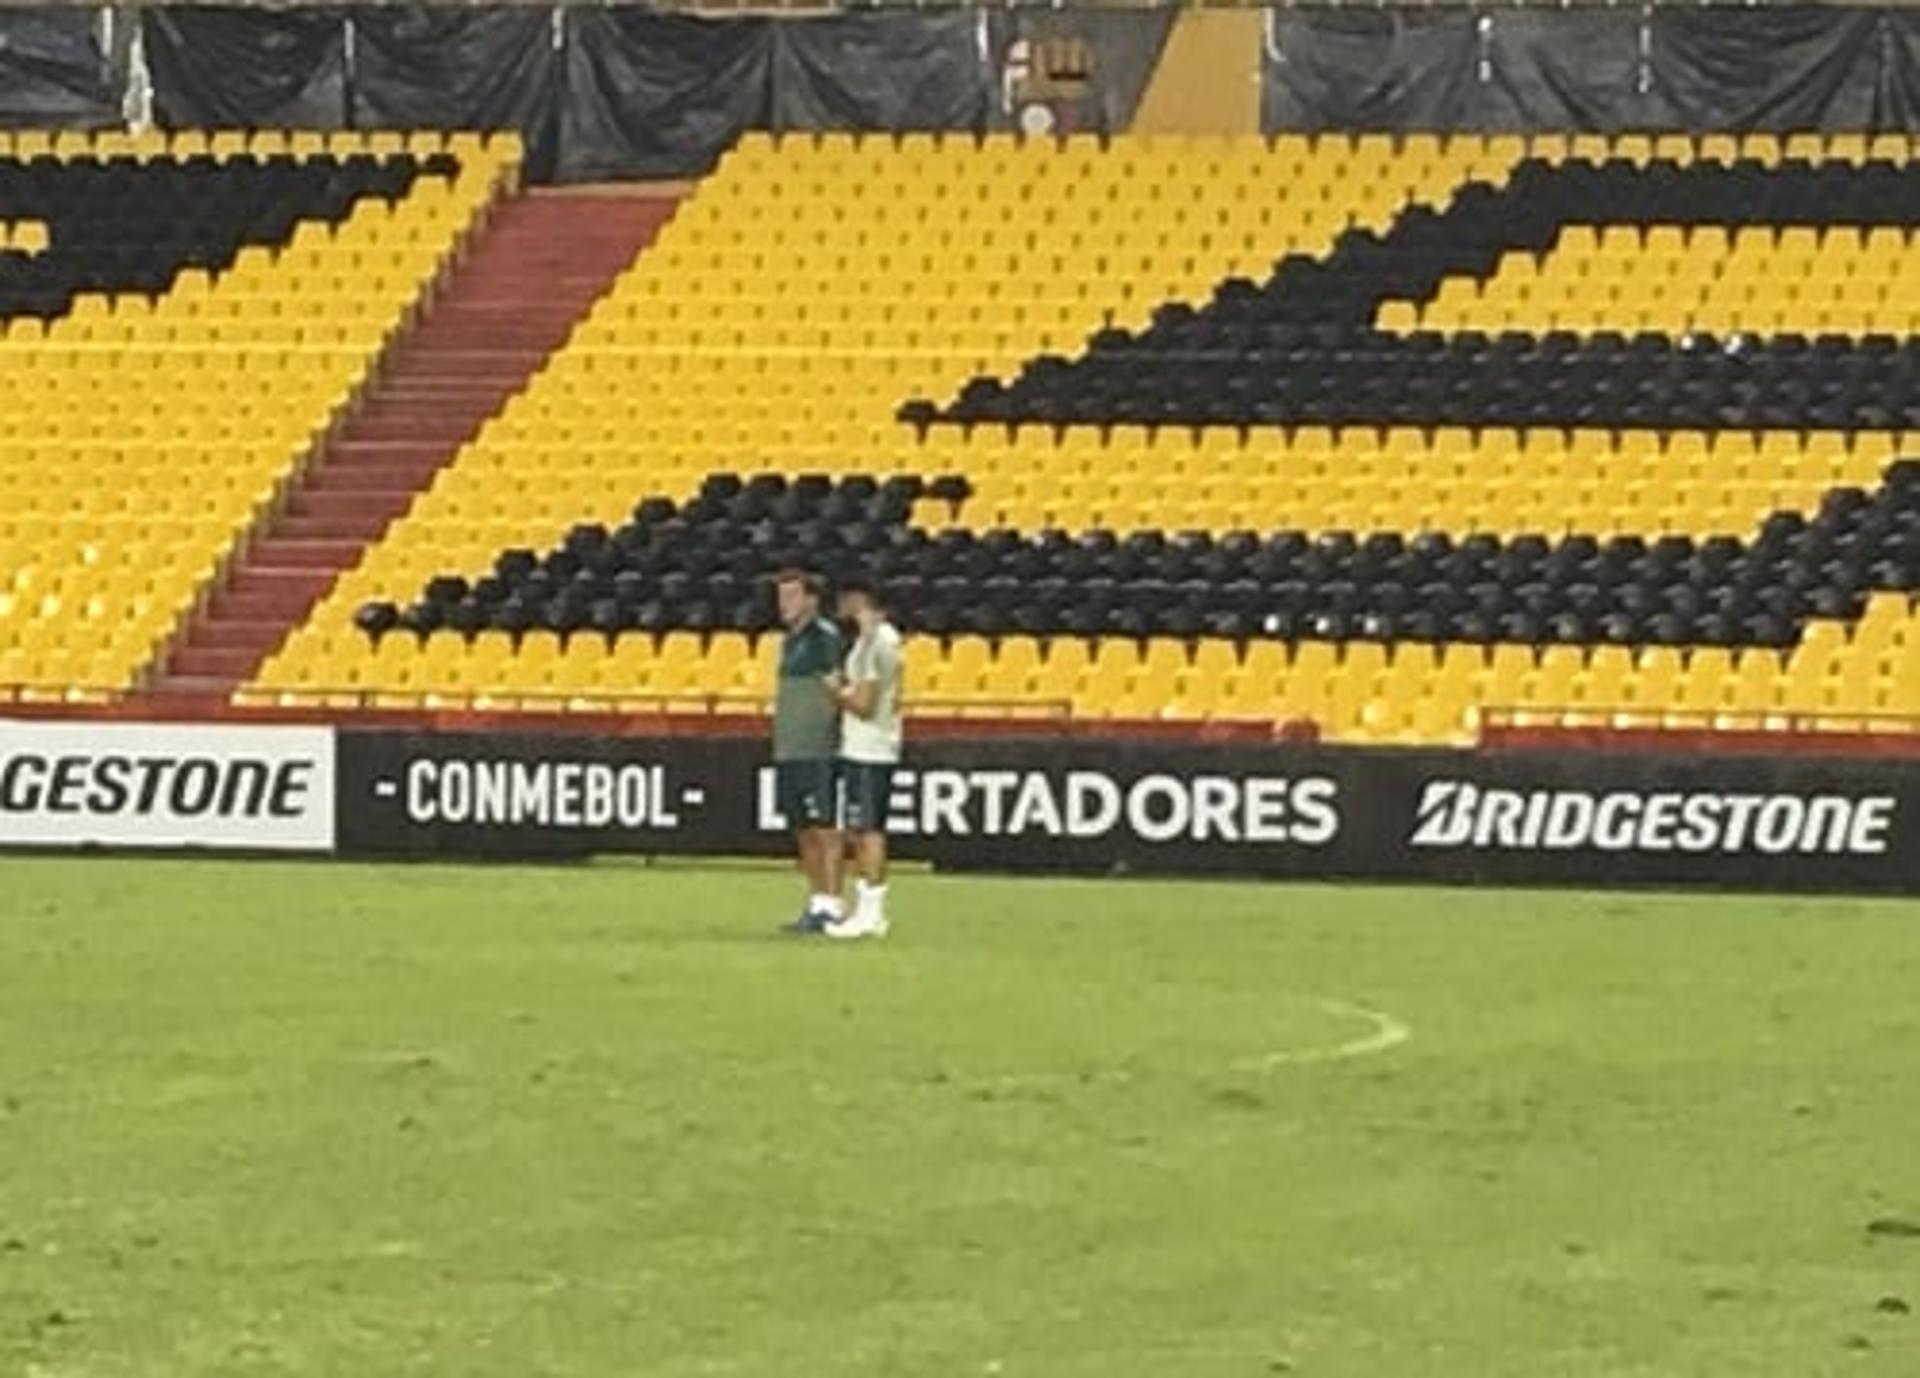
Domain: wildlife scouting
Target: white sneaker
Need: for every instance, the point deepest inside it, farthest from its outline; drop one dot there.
(858, 926)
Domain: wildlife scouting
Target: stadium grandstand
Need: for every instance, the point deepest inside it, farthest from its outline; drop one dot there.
(1399, 442)
(1377, 436)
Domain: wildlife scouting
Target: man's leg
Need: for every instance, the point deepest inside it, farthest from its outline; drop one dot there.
(817, 847)
(833, 851)
(822, 849)
(870, 857)
(810, 860)
(806, 798)
(804, 846)
(867, 789)
(833, 843)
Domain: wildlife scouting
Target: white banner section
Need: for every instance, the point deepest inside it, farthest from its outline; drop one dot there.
(119, 784)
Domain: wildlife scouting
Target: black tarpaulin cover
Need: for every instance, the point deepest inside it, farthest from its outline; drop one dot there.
(232, 67)
(52, 70)
(880, 71)
(1369, 69)
(1774, 68)
(1561, 69)
(427, 67)
(1896, 96)
(658, 95)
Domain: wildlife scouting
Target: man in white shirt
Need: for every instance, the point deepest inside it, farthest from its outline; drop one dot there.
(868, 692)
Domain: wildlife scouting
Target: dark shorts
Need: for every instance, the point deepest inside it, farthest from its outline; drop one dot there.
(864, 791)
(804, 791)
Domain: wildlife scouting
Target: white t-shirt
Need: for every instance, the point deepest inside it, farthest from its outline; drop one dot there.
(876, 658)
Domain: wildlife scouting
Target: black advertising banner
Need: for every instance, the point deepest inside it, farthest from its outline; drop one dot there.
(1792, 823)
(893, 70)
(1006, 804)
(235, 67)
(53, 72)
(645, 94)
(435, 67)
(455, 794)
(1782, 823)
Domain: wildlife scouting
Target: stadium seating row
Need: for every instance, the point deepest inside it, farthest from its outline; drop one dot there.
(771, 155)
(1408, 693)
(77, 145)
(1841, 279)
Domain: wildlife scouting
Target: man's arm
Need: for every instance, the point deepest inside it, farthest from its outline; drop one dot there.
(858, 699)
(861, 697)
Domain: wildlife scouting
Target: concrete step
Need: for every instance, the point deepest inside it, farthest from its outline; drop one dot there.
(541, 285)
(275, 552)
(440, 392)
(411, 423)
(512, 313)
(349, 452)
(419, 375)
(472, 357)
(274, 608)
(506, 324)
(517, 243)
(447, 431)
(280, 582)
(192, 691)
(356, 505)
(371, 477)
(417, 384)
(217, 633)
(358, 529)
(231, 666)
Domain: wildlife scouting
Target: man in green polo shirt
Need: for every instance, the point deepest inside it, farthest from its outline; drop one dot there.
(806, 743)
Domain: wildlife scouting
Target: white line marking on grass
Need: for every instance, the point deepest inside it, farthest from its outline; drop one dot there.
(1388, 1032)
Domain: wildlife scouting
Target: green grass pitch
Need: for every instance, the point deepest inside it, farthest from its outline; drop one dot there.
(267, 1118)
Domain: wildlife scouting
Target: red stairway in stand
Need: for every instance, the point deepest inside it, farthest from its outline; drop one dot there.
(531, 275)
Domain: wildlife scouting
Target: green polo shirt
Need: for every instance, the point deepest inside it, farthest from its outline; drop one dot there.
(806, 720)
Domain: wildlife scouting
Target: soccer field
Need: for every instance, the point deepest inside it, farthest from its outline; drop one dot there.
(325, 1119)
